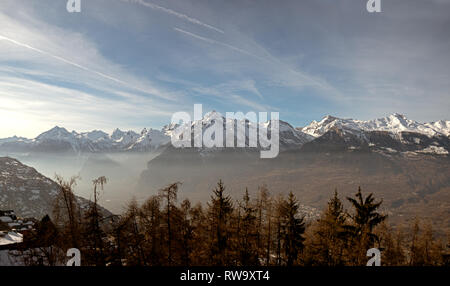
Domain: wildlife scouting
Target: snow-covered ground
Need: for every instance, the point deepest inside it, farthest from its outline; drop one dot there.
(10, 238)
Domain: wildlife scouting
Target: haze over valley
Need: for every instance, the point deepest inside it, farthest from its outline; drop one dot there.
(402, 161)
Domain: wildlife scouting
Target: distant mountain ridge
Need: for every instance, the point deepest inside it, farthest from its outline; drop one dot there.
(397, 126)
(290, 137)
(58, 139)
(394, 123)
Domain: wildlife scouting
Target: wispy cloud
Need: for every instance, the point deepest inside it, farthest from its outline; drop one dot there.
(44, 82)
(138, 59)
(176, 14)
(214, 42)
(232, 92)
(280, 73)
(32, 107)
(230, 87)
(61, 59)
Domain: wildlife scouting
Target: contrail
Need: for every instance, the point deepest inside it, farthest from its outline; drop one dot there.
(71, 63)
(61, 59)
(211, 41)
(175, 13)
(270, 60)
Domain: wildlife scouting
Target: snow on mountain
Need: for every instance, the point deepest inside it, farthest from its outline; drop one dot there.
(394, 123)
(440, 126)
(14, 139)
(289, 136)
(56, 133)
(58, 139)
(149, 139)
(124, 138)
(170, 128)
(95, 136)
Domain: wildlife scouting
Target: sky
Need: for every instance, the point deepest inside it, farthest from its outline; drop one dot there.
(131, 64)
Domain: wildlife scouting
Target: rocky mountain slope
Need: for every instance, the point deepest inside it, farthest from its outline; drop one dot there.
(29, 193)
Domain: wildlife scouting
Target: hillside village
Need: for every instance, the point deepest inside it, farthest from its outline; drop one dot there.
(12, 228)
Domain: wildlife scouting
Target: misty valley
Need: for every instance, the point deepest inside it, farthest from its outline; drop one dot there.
(221, 141)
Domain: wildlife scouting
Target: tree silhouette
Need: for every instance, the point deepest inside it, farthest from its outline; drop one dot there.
(293, 229)
(169, 193)
(329, 237)
(220, 210)
(248, 254)
(364, 219)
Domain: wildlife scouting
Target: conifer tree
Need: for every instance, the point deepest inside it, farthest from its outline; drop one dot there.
(293, 229)
(364, 219)
(151, 218)
(220, 211)
(169, 194)
(279, 213)
(248, 254)
(134, 236)
(200, 236)
(265, 224)
(329, 235)
(392, 246)
(187, 233)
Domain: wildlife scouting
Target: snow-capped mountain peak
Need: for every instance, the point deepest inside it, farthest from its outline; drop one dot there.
(394, 123)
(327, 119)
(440, 126)
(56, 133)
(96, 135)
(149, 139)
(117, 134)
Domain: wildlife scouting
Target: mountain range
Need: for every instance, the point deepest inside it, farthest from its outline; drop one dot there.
(394, 123)
(394, 133)
(58, 139)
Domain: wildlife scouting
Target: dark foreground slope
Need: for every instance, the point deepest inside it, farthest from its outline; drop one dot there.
(29, 193)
